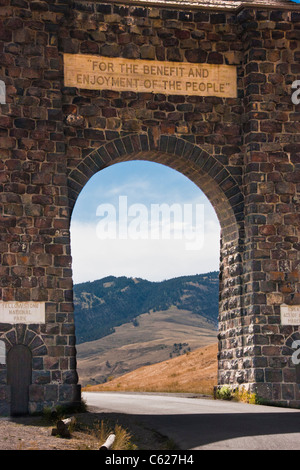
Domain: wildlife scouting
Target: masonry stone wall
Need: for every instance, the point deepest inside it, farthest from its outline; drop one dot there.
(242, 152)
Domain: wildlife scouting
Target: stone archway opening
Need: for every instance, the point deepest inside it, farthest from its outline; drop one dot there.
(171, 254)
(226, 198)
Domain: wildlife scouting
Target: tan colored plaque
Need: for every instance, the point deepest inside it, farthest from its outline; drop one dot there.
(290, 314)
(171, 78)
(22, 312)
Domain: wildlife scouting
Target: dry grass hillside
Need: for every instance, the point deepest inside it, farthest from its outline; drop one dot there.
(194, 372)
(149, 341)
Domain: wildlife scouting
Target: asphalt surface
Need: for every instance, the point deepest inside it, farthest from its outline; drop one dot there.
(206, 424)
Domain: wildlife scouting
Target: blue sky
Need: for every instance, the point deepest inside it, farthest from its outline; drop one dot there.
(146, 184)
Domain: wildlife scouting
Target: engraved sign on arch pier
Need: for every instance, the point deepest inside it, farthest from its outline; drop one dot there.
(22, 312)
(180, 78)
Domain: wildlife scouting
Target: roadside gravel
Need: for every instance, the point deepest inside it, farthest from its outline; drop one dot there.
(31, 433)
(34, 433)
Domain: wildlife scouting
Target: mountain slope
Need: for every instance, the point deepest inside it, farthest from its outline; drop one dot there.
(194, 372)
(103, 305)
(151, 338)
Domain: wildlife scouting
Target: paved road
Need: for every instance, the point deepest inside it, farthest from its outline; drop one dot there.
(200, 423)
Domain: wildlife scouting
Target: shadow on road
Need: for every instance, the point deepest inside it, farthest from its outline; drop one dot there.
(198, 430)
(194, 431)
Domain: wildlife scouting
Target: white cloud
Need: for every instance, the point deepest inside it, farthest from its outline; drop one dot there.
(129, 188)
(154, 260)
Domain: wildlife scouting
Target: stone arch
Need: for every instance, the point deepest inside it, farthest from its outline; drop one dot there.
(23, 334)
(288, 349)
(225, 195)
(205, 170)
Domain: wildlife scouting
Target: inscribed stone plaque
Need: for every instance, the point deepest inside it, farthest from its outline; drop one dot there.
(290, 314)
(22, 312)
(176, 78)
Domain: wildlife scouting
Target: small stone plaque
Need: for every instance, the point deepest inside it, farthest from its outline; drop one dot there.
(22, 312)
(92, 72)
(290, 314)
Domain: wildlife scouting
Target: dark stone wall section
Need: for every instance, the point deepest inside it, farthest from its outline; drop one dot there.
(242, 152)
